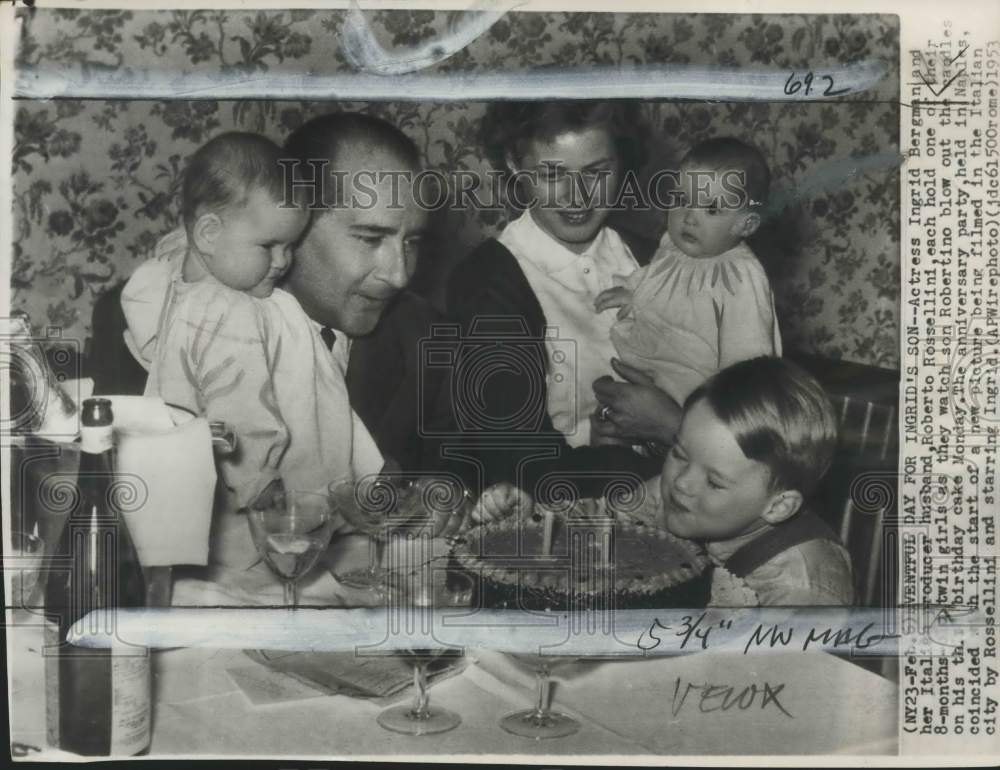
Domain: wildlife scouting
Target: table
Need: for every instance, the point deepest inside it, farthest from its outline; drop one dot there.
(635, 707)
(652, 706)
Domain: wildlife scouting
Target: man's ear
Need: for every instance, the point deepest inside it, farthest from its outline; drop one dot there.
(205, 233)
(748, 226)
(782, 506)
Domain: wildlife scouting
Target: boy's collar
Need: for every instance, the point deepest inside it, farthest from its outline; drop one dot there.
(720, 550)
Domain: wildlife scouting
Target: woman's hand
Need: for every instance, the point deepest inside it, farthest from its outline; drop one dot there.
(636, 410)
(500, 501)
(603, 432)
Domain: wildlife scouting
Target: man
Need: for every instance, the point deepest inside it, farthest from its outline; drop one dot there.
(349, 275)
(351, 271)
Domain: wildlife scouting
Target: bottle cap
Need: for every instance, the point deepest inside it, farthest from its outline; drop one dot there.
(96, 413)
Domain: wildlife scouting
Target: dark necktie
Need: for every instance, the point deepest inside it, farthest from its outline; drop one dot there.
(329, 337)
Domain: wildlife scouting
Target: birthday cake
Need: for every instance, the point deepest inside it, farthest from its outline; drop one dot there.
(591, 566)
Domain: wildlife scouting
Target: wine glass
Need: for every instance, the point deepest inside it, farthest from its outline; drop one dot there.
(441, 503)
(366, 505)
(377, 505)
(541, 721)
(290, 529)
(423, 592)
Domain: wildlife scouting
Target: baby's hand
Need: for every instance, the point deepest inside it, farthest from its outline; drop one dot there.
(500, 501)
(617, 296)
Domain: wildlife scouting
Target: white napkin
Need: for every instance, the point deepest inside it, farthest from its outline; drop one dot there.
(169, 473)
(136, 414)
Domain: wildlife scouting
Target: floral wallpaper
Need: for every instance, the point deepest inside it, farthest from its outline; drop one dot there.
(96, 182)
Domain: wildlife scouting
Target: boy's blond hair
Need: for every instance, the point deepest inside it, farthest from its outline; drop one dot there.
(779, 415)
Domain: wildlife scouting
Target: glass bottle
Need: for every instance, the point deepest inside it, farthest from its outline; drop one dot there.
(103, 694)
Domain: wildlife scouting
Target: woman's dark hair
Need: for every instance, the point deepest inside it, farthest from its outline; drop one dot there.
(508, 127)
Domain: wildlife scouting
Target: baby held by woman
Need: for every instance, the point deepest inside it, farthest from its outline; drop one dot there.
(757, 433)
(703, 302)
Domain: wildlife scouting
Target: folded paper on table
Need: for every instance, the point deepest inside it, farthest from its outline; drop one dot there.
(353, 673)
(264, 687)
(169, 476)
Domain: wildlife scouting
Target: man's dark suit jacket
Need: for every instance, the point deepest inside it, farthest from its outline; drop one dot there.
(383, 376)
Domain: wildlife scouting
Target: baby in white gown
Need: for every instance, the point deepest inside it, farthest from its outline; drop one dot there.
(703, 302)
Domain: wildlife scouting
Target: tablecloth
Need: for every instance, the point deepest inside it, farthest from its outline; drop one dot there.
(786, 702)
(780, 703)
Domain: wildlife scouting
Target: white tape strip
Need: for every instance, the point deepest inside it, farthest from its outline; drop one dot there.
(860, 631)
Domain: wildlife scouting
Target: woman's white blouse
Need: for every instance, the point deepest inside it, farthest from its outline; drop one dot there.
(578, 340)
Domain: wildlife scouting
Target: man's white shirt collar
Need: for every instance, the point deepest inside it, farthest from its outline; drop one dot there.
(341, 348)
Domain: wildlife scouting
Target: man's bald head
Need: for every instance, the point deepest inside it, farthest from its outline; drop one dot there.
(361, 247)
(343, 138)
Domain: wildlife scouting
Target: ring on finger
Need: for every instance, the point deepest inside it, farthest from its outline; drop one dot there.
(605, 414)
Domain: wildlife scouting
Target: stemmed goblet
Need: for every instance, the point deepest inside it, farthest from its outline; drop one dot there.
(429, 507)
(541, 721)
(442, 503)
(290, 529)
(378, 505)
(422, 593)
(367, 505)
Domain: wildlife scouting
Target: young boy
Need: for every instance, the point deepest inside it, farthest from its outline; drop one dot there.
(226, 344)
(703, 302)
(754, 441)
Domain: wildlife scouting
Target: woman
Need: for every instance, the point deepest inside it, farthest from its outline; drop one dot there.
(533, 345)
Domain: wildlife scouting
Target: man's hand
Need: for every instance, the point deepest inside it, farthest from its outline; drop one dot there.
(500, 501)
(636, 410)
(617, 296)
